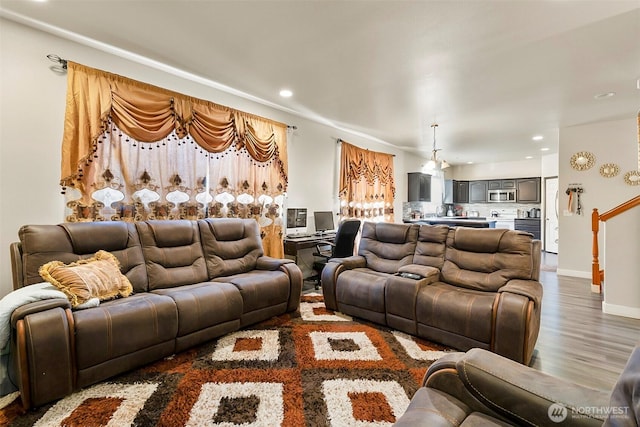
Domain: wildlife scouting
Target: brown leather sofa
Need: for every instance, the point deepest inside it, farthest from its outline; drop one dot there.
(462, 287)
(193, 281)
(482, 388)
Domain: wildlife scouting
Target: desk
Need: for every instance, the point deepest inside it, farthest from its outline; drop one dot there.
(293, 245)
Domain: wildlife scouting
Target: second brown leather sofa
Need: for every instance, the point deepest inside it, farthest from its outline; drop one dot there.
(465, 287)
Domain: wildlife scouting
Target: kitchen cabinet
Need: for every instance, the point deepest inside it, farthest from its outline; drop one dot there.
(477, 191)
(419, 187)
(528, 190)
(501, 184)
(530, 225)
(460, 191)
(456, 191)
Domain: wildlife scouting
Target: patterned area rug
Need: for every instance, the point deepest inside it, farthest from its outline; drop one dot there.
(313, 368)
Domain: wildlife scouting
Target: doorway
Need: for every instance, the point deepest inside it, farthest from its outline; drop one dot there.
(551, 216)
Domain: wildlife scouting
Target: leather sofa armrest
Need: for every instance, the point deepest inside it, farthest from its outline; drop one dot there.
(517, 319)
(351, 262)
(330, 274)
(295, 278)
(36, 307)
(525, 395)
(269, 263)
(528, 288)
(43, 352)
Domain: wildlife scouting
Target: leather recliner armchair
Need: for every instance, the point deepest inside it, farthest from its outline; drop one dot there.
(482, 388)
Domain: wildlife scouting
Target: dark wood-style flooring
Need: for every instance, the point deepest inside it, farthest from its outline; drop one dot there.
(577, 341)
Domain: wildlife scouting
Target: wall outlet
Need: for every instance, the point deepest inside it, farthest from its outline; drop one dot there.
(567, 212)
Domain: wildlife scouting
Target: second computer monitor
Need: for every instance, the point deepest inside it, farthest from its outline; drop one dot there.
(323, 220)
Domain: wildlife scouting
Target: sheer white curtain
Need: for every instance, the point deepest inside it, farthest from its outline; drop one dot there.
(174, 178)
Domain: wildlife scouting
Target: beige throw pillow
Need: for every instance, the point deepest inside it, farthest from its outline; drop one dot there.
(95, 277)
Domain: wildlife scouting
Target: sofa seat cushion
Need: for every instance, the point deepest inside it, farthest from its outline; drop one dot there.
(460, 311)
(123, 326)
(362, 288)
(260, 288)
(203, 305)
(370, 271)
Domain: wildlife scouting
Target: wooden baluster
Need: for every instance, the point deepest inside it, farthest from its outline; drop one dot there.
(596, 278)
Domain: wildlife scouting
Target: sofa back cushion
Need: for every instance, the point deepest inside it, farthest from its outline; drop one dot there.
(73, 241)
(172, 252)
(486, 259)
(231, 245)
(387, 247)
(431, 245)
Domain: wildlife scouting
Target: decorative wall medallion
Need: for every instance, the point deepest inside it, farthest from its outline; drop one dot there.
(632, 178)
(582, 160)
(609, 170)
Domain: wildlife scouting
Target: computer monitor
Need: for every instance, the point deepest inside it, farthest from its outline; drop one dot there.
(297, 218)
(323, 220)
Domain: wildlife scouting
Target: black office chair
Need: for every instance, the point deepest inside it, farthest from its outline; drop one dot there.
(341, 247)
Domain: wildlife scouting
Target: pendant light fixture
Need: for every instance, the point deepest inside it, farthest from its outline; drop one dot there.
(434, 164)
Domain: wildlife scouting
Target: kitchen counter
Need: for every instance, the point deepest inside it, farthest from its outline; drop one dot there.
(461, 221)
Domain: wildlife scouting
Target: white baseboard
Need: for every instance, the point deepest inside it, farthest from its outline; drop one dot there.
(621, 310)
(574, 273)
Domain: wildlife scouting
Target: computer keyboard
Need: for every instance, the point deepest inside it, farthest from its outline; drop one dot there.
(298, 235)
(325, 235)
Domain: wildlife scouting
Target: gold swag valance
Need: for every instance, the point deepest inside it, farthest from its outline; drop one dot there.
(149, 113)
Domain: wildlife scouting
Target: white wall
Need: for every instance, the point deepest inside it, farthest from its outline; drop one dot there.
(622, 269)
(31, 124)
(550, 166)
(610, 142)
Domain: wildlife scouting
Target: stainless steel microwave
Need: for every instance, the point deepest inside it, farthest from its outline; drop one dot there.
(504, 196)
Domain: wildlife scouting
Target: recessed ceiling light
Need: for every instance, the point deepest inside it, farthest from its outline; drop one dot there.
(286, 93)
(529, 157)
(469, 163)
(538, 138)
(544, 149)
(604, 95)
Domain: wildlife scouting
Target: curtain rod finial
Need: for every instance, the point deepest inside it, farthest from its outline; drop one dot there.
(56, 58)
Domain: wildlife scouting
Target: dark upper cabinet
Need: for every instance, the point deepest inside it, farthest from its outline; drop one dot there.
(528, 190)
(419, 187)
(461, 192)
(508, 184)
(478, 191)
(494, 185)
(501, 184)
(456, 191)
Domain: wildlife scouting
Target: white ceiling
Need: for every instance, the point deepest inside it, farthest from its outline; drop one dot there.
(492, 74)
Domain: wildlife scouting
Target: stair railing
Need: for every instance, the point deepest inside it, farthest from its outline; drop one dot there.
(597, 274)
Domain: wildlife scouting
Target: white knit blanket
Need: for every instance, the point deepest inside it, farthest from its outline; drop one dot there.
(19, 297)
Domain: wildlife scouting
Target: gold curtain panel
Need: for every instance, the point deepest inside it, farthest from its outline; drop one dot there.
(149, 114)
(367, 186)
